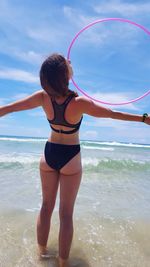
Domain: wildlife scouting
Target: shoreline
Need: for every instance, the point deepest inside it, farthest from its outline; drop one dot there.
(98, 142)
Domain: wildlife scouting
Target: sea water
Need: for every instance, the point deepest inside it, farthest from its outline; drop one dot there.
(112, 211)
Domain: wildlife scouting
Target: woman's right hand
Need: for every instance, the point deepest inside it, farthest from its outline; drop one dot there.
(147, 120)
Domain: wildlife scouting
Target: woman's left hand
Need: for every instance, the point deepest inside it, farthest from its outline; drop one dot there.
(147, 120)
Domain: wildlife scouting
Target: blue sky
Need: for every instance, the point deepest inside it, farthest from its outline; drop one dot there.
(111, 61)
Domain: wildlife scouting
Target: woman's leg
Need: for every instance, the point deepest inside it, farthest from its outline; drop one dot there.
(49, 181)
(70, 178)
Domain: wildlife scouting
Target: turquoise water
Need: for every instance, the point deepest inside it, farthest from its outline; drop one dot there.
(112, 212)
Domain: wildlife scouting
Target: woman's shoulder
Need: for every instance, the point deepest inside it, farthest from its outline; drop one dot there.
(82, 100)
(46, 96)
(83, 104)
(44, 93)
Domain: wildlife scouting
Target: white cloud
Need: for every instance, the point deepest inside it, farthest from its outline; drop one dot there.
(8, 11)
(18, 75)
(29, 56)
(19, 96)
(26, 33)
(77, 17)
(20, 52)
(47, 33)
(115, 98)
(79, 20)
(101, 35)
(3, 101)
(24, 131)
(5, 119)
(110, 123)
(108, 129)
(38, 113)
(122, 8)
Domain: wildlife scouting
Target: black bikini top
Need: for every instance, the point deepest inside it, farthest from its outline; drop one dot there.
(59, 119)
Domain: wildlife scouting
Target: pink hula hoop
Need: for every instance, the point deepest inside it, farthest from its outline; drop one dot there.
(90, 25)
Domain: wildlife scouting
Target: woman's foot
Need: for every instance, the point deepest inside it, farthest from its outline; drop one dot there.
(63, 263)
(44, 253)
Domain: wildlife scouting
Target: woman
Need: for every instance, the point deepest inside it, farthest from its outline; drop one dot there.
(61, 162)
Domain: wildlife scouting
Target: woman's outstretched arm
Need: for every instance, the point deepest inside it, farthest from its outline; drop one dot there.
(90, 107)
(32, 101)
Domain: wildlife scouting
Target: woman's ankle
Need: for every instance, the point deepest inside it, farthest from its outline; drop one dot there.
(42, 249)
(63, 262)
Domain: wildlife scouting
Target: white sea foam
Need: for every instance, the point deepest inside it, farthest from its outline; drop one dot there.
(23, 159)
(83, 143)
(86, 161)
(98, 148)
(15, 139)
(117, 144)
(32, 210)
(91, 161)
(126, 145)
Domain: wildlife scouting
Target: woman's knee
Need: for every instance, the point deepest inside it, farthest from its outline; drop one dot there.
(65, 216)
(47, 208)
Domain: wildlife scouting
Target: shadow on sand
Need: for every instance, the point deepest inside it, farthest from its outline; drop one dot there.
(78, 262)
(77, 259)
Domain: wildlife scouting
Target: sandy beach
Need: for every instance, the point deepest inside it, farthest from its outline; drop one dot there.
(111, 218)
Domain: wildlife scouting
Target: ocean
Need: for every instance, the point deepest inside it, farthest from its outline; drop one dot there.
(112, 211)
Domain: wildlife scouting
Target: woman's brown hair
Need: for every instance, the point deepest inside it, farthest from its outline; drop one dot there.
(54, 76)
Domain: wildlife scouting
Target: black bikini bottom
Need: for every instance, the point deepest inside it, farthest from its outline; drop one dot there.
(57, 155)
